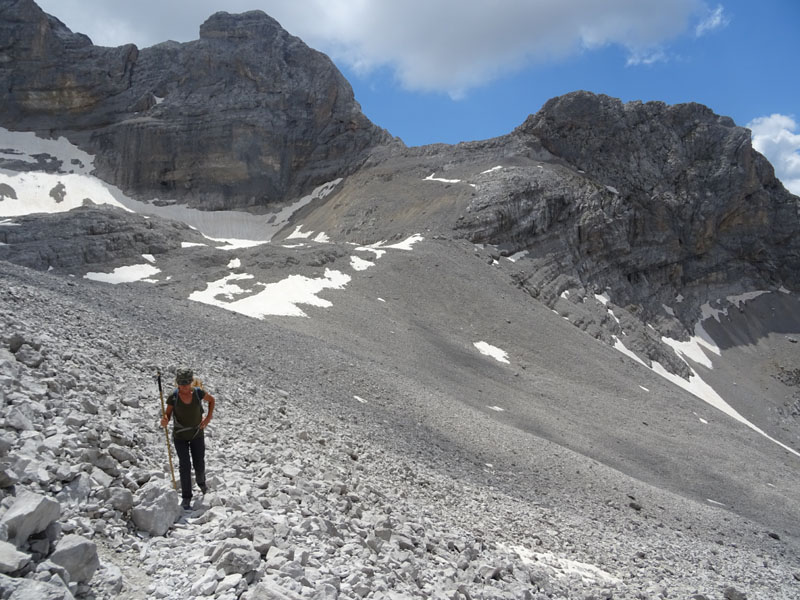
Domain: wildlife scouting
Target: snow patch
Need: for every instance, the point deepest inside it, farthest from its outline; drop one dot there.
(359, 264)
(234, 263)
(619, 346)
(432, 178)
(149, 258)
(52, 193)
(603, 298)
(280, 298)
(496, 408)
(125, 274)
(493, 351)
(27, 145)
(497, 168)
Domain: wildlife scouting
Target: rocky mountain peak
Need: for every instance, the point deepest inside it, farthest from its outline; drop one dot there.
(247, 123)
(254, 24)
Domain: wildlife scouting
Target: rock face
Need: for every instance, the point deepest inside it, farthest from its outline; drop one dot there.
(90, 235)
(665, 198)
(245, 116)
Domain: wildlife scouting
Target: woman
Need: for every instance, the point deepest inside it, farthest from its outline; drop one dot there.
(185, 404)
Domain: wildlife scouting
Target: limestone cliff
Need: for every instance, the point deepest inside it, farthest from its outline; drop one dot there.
(245, 116)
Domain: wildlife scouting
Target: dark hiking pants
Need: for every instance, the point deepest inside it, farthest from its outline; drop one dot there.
(191, 453)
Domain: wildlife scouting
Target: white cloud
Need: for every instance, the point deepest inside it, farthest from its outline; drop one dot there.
(715, 19)
(447, 45)
(649, 57)
(774, 136)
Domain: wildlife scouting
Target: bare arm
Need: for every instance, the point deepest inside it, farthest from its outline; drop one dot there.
(167, 415)
(210, 399)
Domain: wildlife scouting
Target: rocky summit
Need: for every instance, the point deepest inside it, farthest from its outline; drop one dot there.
(560, 363)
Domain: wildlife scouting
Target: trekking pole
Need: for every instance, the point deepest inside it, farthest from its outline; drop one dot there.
(166, 434)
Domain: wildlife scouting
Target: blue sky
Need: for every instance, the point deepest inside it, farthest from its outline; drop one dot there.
(454, 70)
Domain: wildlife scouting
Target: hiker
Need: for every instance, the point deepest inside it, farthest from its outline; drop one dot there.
(185, 404)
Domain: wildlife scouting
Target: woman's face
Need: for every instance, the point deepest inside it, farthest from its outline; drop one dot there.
(185, 387)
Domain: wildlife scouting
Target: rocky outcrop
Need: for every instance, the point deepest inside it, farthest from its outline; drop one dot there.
(647, 202)
(93, 235)
(657, 201)
(245, 116)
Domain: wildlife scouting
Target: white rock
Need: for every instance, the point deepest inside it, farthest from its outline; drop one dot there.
(156, 507)
(122, 454)
(30, 513)
(16, 419)
(120, 499)
(78, 556)
(11, 559)
(76, 491)
(229, 583)
(240, 560)
(207, 584)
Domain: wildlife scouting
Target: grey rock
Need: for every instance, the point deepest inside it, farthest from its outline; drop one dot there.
(6, 443)
(78, 556)
(239, 560)
(229, 582)
(76, 491)
(11, 559)
(30, 589)
(731, 593)
(120, 499)
(263, 538)
(122, 454)
(269, 589)
(18, 420)
(277, 117)
(8, 476)
(28, 356)
(43, 241)
(30, 513)
(156, 508)
(89, 406)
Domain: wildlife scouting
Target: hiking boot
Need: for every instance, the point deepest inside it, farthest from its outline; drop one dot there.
(203, 487)
(187, 503)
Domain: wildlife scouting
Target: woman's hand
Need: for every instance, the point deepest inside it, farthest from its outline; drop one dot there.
(164, 421)
(204, 422)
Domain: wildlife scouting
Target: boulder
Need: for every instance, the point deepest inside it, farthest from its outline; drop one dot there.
(11, 559)
(31, 589)
(121, 499)
(76, 491)
(239, 560)
(78, 556)
(156, 507)
(29, 356)
(31, 513)
(16, 419)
